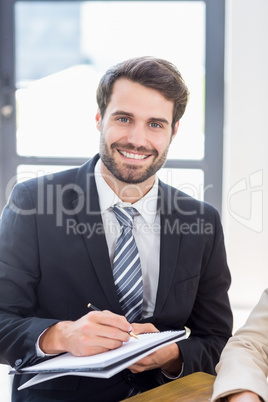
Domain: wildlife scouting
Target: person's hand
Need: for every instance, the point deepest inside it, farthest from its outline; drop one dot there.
(167, 358)
(245, 396)
(95, 332)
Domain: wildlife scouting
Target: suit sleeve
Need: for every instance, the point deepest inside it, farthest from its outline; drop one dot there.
(19, 278)
(210, 321)
(244, 360)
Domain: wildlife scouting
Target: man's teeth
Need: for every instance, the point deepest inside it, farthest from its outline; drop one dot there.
(133, 156)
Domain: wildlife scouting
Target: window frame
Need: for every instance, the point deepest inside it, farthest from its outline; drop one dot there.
(211, 164)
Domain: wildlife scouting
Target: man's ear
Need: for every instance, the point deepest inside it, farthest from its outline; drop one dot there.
(98, 120)
(175, 130)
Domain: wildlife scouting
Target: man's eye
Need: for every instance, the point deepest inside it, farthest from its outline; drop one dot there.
(123, 119)
(155, 125)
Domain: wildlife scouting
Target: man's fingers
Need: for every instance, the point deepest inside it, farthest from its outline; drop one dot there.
(108, 325)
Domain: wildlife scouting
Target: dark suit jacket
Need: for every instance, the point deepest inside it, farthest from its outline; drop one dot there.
(54, 260)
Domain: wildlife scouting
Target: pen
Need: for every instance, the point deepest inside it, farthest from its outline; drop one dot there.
(97, 309)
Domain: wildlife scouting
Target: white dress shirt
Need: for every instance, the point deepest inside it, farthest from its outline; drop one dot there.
(146, 230)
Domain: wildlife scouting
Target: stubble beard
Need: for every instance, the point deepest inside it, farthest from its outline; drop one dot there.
(130, 174)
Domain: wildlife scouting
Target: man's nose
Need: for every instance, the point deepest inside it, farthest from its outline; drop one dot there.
(137, 135)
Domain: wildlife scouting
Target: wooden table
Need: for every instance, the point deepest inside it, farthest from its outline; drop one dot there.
(195, 387)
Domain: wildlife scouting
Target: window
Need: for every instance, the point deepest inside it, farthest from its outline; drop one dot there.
(60, 50)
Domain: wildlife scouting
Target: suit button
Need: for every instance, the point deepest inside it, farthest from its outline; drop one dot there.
(130, 377)
(18, 362)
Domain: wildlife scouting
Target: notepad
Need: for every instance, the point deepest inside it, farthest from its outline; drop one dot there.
(102, 365)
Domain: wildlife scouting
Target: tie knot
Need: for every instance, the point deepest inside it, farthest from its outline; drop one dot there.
(124, 215)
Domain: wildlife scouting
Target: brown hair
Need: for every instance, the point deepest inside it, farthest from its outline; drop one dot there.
(150, 72)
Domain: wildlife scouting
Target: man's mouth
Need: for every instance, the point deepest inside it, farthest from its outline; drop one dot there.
(130, 155)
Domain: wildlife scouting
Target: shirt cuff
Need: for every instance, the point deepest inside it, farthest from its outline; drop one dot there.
(39, 352)
(173, 377)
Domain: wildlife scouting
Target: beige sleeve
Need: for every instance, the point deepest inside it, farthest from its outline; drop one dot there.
(244, 361)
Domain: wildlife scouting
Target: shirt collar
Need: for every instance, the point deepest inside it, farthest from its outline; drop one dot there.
(146, 206)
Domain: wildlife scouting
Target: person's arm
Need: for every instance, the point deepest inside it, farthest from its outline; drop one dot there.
(243, 365)
(210, 322)
(96, 332)
(20, 277)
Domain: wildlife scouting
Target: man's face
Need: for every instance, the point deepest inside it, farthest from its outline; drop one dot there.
(135, 131)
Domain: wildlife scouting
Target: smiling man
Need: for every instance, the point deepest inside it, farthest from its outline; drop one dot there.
(136, 132)
(112, 234)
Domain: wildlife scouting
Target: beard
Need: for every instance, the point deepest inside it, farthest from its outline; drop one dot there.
(130, 174)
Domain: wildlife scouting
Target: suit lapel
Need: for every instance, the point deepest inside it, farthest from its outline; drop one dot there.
(89, 214)
(169, 245)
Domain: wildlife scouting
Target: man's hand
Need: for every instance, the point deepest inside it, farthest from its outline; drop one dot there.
(167, 358)
(95, 332)
(245, 396)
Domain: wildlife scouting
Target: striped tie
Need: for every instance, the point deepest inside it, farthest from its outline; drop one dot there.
(127, 266)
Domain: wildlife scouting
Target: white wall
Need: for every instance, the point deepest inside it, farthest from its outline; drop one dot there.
(245, 185)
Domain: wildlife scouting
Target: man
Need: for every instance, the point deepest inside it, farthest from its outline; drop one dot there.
(243, 367)
(61, 239)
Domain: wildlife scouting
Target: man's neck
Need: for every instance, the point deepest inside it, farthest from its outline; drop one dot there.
(127, 192)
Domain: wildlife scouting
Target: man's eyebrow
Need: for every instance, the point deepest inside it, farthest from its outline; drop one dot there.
(122, 113)
(159, 119)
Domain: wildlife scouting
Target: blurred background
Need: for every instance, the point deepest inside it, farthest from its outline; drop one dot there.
(52, 55)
